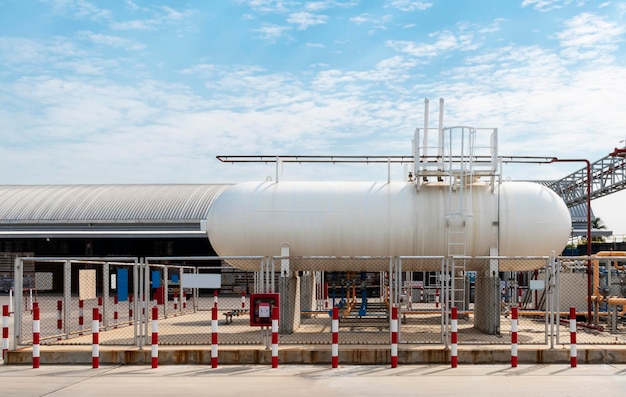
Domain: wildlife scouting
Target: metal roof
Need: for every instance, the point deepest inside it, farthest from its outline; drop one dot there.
(29, 210)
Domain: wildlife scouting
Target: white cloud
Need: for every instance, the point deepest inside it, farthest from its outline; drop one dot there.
(445, 41)
(111, 41)
(590, 37)
(271, 32)
(155, 19)
(80, 9)
(545, 5)
(410, 5)
(305, 19)
(268, 6)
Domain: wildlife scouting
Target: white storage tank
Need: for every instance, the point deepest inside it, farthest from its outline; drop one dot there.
(384, 219)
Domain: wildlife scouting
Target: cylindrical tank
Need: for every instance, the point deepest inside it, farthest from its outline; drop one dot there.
(385, 219)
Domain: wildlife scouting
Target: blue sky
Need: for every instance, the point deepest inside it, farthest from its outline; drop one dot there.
(151, 91)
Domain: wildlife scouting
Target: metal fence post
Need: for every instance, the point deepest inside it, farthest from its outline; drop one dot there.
(18, 285)
(67, 297)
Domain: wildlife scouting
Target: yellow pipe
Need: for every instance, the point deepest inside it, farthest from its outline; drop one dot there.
(596, 268)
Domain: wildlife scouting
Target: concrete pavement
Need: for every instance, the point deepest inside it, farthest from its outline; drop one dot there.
(308, 380)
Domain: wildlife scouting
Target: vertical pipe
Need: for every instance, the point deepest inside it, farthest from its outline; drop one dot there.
(243, 300)
(214, 337)
(394, 336)
(95, 342)
(573, 356)
(19, 291)
(454, 339)
(275, 317)
(133, 306)
(335, 337)
(425, 144)
(514, 336)
(105, 295)
(67, 297)
(440, 131)
(155, 337)
(36, 337)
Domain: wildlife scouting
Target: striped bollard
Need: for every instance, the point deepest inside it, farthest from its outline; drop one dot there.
(60, 318)
(514, 337)
(214, 337)
(394, 337)
(95, 343)
(573, 356)
(175, 301)
(335, 331)
(81, 305)
(130, 308)
(184, 297)
(275, 316)
(243, 300)
(155, 337)
(437, 298)
(115, 313)
(36, 335)
(454, 339)
(215, 298)
(5, 329)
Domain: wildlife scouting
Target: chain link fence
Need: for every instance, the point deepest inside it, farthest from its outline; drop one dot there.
(187, 289)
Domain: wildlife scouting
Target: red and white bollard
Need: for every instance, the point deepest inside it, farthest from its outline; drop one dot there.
(214, 337)
(422, 294)
(454, 360)
(95, 343)
(394, 336)
(275, 316)
(215, 298)
(36, 336)
(115, 314)
(155, 337)
(243, 300)
(335, 330)
(60, 318)
(81, 305)
(175, 301)
(514, 337)
(184, 297)
(437, 298)
(573, 356)
(130, 308)
(5, 329)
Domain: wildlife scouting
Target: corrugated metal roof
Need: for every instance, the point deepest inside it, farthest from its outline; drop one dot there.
(161, 203)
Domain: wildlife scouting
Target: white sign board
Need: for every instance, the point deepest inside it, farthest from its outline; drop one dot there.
(537, 285)
(86, 284)
(264, 310)
(191, 280)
